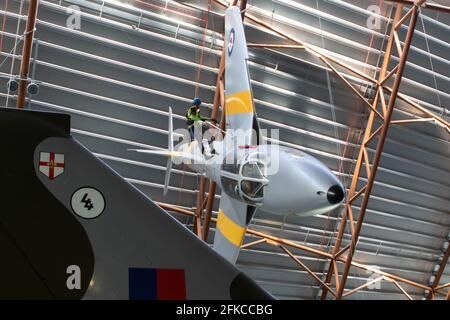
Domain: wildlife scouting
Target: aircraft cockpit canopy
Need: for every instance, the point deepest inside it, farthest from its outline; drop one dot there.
(245, 180)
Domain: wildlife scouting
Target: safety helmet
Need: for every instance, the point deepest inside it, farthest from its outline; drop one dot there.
(196, 101)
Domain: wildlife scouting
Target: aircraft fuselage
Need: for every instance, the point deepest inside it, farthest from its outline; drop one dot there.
(273, 178)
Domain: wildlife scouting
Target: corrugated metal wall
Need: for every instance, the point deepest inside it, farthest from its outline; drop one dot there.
(118, 74)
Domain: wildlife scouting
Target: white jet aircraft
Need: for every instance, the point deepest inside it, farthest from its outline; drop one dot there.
(252, 175)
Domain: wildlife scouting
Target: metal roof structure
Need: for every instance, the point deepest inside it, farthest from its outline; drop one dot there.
(116, 66)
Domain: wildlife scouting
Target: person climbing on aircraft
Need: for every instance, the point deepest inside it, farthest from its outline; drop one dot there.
(192, 117)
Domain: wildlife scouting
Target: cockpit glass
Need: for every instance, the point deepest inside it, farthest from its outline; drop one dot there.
(252, 189)
(252, 170)
(233, 168)
(230, 187)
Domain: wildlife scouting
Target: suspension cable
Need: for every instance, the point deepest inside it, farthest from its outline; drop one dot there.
(431, 61)
(199, 65)
(16, 42)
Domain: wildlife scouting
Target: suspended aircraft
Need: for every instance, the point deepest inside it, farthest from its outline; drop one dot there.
(251, 174)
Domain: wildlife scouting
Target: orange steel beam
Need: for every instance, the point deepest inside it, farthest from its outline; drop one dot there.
(379, 148)
(380, 83)
(242, 7)
(382, 98)
(208, 209)
(386, 274)
(254, 232)
(384, 128)
(304, 267)
(367, 135)
(279, 241)
(26, 53)
(417, 106)
(275, 46)
(302, 45)
(290, 243)
(408, 121)
(438, 276)
(311, 49)
(402, 290)
(199, 208)
(400, 22)
(356, 91)
(253, 243)
(426, 5)
(357, 194)
(398, 45)
(363, 286)
(342, 251)
(443, 286)
(319, 53)
(389, 75)
(212, 184)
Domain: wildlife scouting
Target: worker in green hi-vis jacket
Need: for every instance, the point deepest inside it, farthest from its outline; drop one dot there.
(192, 116)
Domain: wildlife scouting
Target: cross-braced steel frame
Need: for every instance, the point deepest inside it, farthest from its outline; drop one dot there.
(381, 107)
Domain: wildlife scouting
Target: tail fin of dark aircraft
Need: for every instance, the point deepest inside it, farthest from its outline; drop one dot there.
(72, 228)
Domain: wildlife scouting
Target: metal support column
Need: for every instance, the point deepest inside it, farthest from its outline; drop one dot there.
(26, 53)
(363, 155)
(441, 270)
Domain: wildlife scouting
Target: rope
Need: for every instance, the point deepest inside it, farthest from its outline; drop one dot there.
(199, 62)
(341, 162)
(330, 93)
(333, 115)
(341, 166)
(183, 170)
(443, 111)
(431, 60)
(198, 71)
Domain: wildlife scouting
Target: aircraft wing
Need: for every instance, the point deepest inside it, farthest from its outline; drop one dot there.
(232, 221)
(239, 107)
(72, 228)
(242, 126)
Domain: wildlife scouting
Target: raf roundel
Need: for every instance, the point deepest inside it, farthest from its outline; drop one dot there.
(88, 203)
(231, 41)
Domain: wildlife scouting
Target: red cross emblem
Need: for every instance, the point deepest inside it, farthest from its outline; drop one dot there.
(51, 164)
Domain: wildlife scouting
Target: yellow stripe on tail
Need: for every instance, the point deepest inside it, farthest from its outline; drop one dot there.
(240, 102)
(230, 230)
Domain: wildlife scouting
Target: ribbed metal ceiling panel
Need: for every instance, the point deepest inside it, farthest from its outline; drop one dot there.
(121, 71)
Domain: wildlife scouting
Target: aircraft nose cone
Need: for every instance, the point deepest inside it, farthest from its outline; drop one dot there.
(335, 194)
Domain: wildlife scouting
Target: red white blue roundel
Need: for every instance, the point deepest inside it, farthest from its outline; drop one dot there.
(231, 42)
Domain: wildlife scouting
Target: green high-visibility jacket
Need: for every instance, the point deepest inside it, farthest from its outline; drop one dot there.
(192, 116)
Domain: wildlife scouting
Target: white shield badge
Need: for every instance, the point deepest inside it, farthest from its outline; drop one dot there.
(51, 164)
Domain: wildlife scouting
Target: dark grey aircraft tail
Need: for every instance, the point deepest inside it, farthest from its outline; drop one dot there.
(72, 228)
